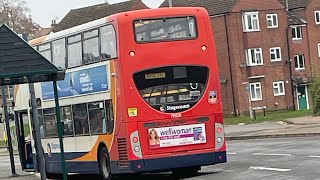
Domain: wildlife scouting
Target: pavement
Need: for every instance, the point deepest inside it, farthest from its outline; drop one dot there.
(293, 127)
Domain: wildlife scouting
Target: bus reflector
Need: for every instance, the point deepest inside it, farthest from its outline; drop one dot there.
(203, 47)
(135, 139)
(132, 53)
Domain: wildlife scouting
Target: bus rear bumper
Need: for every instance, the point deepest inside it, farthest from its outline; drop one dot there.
(168, 163)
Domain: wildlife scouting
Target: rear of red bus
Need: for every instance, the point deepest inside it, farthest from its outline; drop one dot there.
(170, 88)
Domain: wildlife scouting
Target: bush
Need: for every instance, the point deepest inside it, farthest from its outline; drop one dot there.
(315, 92)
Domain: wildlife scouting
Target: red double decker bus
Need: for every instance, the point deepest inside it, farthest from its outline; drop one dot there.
(142, 96)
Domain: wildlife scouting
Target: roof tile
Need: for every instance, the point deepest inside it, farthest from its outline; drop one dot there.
(86, 14)
(214, 7)
(295, 4)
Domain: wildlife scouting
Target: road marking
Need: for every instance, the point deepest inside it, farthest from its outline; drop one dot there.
(264, 154)
(231, 153)
(269, 169)
(314, 156)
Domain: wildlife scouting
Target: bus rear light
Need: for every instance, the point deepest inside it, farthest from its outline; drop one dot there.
(219, 135)
(132, 53)
(136, 149)
(219, 140)
(219, 130)
(135, 139)
(204, 48)
(135, 144)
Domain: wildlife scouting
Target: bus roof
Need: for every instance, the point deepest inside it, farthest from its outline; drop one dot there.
(135, 14)
(69, 32)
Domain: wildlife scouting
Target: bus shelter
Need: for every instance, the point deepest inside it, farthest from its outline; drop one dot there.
(20, 64)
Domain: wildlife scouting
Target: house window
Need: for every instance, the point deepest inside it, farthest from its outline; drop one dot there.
(250, 21)
(272, 20)
(254, 57)
(317, 16)
(299, 61)
(278, 88)
(275, 54)
(296, 32)
(319, 49)
(255, 91)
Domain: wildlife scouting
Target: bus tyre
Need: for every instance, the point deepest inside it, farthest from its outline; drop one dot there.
(185, 172)
(104, 164)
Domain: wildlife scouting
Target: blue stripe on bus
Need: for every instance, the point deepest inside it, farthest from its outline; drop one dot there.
(165, 164)
(146, 165)
(73, 167)
(67, 156)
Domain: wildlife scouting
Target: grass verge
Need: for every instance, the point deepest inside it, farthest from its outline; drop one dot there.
(2, 144)
(270, 116)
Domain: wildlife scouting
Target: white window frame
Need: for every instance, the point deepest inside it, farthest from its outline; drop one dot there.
(252, 60)
(273, 51)
(317, 14)
(270, 17)
(276, 85)
(295, 36)
(298, 62)
(257, 87)
(319, 49)
(245, 21)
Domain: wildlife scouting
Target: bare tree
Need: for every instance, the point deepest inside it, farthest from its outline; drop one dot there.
(16, 14)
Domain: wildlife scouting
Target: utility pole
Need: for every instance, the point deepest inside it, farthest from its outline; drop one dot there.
(170, 3)
(249, 98)
(6, 115)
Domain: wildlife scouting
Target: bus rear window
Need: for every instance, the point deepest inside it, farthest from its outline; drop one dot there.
(173, 88)
(165, 29)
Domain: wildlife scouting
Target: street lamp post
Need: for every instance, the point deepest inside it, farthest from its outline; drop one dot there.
(249, 98)
(170, 3)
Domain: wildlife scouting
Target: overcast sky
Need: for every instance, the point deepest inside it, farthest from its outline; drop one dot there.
(43, 11)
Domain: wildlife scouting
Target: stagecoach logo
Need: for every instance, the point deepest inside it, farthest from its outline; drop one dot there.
(164, 108)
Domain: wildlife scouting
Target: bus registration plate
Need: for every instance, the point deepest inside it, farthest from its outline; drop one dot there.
(177, 136)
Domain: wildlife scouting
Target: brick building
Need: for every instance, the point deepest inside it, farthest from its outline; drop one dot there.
(304, 47)
(252, 50)
(265, 51)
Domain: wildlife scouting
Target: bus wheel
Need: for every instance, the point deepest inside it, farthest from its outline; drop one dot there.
(185, 172)
(104, 164)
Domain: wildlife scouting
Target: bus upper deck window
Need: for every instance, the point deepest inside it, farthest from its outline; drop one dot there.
(108, 42)
(164, 29)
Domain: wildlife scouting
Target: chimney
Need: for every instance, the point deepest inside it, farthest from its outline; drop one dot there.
(54, 23)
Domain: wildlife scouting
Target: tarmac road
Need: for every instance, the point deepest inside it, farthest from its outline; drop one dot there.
(295, 158)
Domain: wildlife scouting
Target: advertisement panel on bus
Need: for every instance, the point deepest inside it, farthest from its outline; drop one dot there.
(80, 82)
